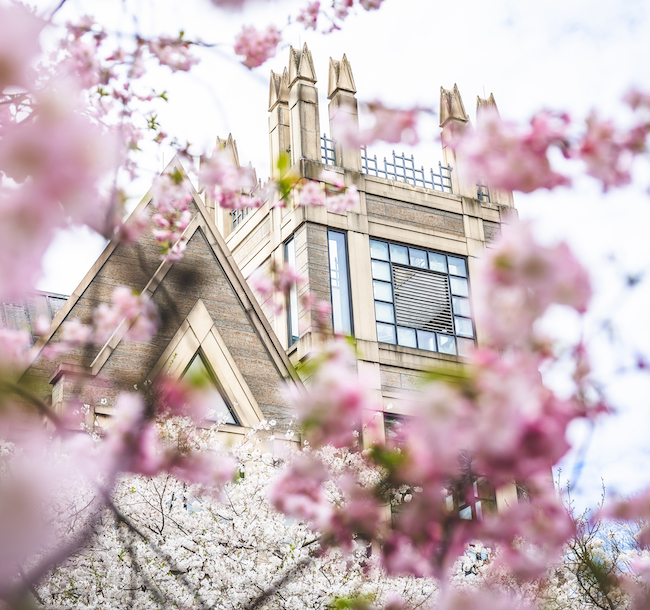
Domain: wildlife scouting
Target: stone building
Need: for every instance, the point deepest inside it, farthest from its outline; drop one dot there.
(397, 270)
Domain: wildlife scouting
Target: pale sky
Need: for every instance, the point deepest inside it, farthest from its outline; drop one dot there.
(573, 55)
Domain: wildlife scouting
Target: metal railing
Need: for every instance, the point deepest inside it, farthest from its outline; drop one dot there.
(402, 169)
(483, 193)
(237, 216)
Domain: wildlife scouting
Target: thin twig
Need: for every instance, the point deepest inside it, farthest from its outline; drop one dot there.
(158, 551)
(303, 563)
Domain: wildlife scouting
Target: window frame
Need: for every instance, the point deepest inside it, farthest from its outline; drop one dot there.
(292, 294)
(349, 284)
(456, 336)
(215, 381)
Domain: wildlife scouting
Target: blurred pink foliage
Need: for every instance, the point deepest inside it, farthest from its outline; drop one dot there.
(257, 46)
(68, 128)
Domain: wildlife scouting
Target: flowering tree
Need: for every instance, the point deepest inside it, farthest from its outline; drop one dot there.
(170, 543)
(71, 126)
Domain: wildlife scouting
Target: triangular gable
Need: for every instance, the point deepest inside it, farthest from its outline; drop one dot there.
(207, 274)
(199, 334)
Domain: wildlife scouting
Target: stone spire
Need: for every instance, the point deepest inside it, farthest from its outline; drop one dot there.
(454, 120)
(343, 104)
(340, 77)
(279, 133)
(301, 65)
(304, 124)
(485, 106)
(451, 106)
(230, 147)
(278, 89)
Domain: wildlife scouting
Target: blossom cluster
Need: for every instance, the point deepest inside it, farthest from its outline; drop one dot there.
(335, 15)
(330, 192)
(390, 125)
(257, 46)
(228, 184)
(133, 314)
(513, 158)
(496, 418)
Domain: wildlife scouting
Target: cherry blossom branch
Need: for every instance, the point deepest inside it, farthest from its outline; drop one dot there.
(122, 518)
(278, 584)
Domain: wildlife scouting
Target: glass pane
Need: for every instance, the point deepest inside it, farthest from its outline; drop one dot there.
(384, 312)
(465, 513)
(446, 345)
(381, 271)
(418, 258)
(292, 300)
(218, 409)
(437, 262)
(457, 266)
(427, 340)
(379, 249)
(341, 314)
(449, 501)
(484, 489)
(461, 306)
(382, 291)
(399, 254)
(406, 337)
(464, 327)
(385, 333)
(465, 346)
(459, 286)
(479, 510)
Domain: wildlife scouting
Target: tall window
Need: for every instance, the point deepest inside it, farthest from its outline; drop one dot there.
(421, 298)
(339, 283)
(471, 496)
(292, 299)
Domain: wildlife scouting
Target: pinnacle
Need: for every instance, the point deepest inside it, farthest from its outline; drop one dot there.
(301, 65)
(230, 146)
(278, 89)
(340, 77)
(451, 106)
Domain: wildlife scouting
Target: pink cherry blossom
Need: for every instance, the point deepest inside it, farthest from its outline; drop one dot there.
(513, 159)
(299, 491)
(279, 281)
(311, 194)
(637, 99)
(390, 125)
(14, 347)
(608, 153)
(520, 279)
(358, 516)
(334, 407)
(74, 333)
(226, 183)
(173, 52)
(19, 44)
(342, 8)
(257, 46)
(330, 177)
(170, 192)
(370, 5)
(344, 201)
(309, 15)
(136, 311)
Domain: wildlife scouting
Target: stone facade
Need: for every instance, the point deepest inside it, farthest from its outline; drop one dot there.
(206, 306)
(462, 222)
(210, 306)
